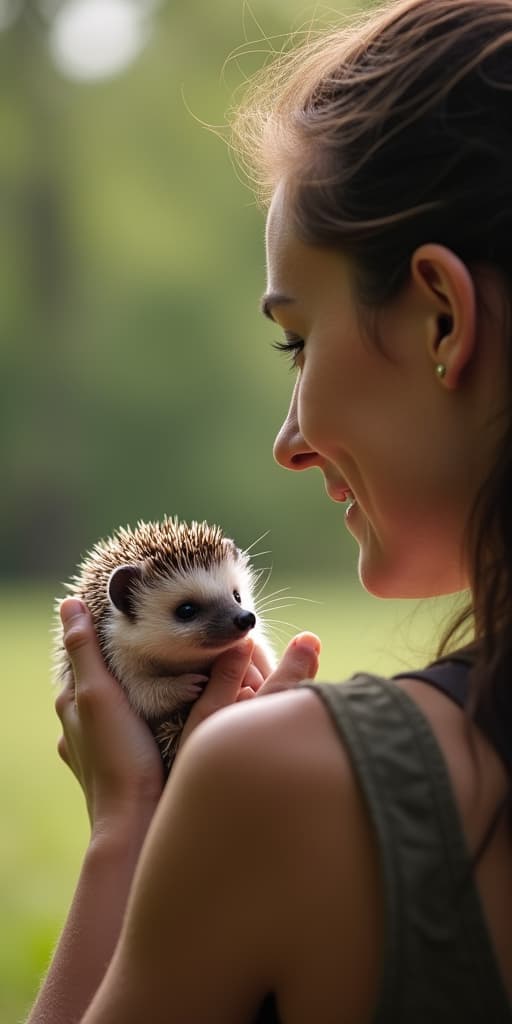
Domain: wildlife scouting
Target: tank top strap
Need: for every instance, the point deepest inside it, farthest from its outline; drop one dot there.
(452, 675)
(439, 965)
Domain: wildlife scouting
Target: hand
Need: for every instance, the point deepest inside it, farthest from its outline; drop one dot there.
(108, 747)
(242, 673)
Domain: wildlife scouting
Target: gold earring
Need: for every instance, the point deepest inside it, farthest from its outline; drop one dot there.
(440, 370)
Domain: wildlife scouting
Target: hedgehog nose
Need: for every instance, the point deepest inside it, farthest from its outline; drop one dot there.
(244, 621)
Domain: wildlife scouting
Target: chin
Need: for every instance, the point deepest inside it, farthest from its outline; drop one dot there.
(395, 578)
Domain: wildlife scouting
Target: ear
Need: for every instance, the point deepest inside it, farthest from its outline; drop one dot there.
(446, 284)
(120, 588)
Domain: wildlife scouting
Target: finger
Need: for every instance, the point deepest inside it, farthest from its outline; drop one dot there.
(62, 750)
(65, 698)
(79, 632)
(246, 693)
(261, 661)
(224, 685)
(226, 677)
(80, 640)
(300, 661)
(253, 679)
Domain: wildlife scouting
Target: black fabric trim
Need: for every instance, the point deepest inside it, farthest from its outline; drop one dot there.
(452, 676)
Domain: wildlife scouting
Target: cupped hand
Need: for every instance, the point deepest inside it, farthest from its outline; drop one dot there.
(107, 746)
(243, 673)
(111, 750)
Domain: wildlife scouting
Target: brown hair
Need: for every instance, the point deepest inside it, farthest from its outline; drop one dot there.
(393, 131)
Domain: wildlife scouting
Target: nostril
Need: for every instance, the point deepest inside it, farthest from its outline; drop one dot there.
(245, 620)
(303, 460)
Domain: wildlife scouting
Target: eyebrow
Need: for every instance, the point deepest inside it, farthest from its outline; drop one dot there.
(272, 299)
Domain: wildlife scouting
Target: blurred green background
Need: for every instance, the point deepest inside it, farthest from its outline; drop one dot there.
(137, 377)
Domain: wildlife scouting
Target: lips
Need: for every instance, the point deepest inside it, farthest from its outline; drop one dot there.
(339, 492)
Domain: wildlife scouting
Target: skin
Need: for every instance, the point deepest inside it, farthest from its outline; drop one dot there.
(213, 904)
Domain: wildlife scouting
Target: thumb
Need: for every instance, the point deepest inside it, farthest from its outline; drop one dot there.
(300, 661)
(223, 687)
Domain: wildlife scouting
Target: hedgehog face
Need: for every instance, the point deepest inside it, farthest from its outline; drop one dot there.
(180, 622)
(166, 598)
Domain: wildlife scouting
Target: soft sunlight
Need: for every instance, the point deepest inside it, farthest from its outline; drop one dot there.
(92, 39)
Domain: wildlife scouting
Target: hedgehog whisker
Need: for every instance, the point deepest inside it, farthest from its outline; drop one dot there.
(251, 546)
(261, 588)
(282, 599)
(265, 606)
(283, 622)
(273, 608)
(282, 635)
(295, 597)
(281, 590)
(258, 573)
(277, 625)
(273, 594)
(278, 630)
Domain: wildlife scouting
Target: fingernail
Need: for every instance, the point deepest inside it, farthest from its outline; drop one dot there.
(245, 647)
(304, 655)
(71, 608)
(306, 644)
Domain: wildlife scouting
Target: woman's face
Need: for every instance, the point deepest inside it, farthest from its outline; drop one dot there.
(374, 419)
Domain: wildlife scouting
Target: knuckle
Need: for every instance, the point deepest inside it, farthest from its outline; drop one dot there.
(232, 673)
(87, 697)
(60, 704)
(77, 636)
(62, 751)
(62, 701)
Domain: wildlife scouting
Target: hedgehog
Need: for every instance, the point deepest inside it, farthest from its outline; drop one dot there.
(166, 599)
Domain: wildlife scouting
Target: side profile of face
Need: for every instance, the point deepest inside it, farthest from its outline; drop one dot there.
(410, 446)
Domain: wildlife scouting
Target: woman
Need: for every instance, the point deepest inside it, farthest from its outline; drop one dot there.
(342, 853)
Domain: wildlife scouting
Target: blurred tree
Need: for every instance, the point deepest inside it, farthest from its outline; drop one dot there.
(134, 379)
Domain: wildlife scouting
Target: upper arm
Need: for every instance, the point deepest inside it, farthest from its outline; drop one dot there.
(232, 864)
(191, 947)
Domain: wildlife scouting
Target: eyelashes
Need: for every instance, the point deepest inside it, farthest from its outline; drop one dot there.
(291, 347)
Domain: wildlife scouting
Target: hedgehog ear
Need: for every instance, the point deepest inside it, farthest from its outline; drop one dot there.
(120, 588)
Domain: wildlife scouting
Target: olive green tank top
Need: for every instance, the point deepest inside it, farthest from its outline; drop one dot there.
(439, 965)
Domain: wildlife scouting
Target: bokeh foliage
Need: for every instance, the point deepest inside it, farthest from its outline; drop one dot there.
(136, 372)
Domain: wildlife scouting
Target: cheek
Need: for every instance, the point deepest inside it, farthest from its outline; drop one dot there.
(321, 409)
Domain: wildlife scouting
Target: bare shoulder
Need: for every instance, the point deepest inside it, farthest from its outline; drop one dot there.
(287, 733)
(262, 858)
(287, 780)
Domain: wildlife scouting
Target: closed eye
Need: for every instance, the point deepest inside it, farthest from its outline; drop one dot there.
(292, 346)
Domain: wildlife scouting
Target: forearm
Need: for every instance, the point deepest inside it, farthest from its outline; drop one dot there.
(92, 927)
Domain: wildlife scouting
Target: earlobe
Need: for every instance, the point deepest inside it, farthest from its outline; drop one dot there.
(447, 287)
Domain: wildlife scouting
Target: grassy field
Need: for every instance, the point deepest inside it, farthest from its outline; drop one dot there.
(44, 823)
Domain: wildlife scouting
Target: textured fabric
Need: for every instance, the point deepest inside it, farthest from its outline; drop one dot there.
(439, 966)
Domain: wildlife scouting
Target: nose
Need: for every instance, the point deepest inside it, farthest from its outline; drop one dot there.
(244, 621)
(291, 450)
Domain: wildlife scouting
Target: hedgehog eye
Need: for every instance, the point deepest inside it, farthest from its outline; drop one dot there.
(186, 611)
(237, 597)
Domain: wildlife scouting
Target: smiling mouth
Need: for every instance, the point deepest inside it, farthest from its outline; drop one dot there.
(340, 494)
